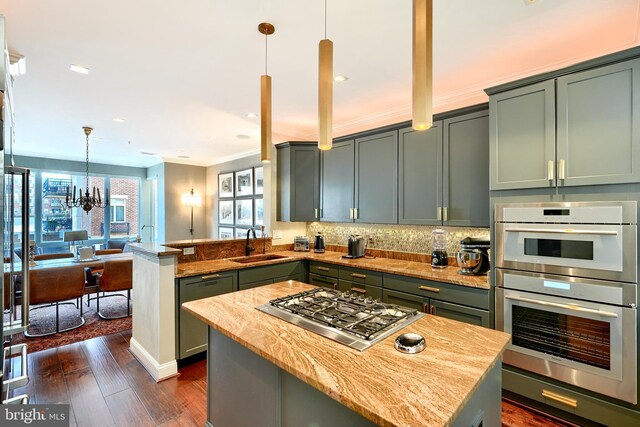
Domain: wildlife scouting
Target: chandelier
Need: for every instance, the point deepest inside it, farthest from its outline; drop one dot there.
(87, 201)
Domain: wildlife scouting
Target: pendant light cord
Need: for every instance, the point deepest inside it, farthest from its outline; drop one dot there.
(87, 166)
(325, 19)
(266, 52)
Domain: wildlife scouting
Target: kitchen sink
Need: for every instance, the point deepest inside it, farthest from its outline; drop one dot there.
(256, 258)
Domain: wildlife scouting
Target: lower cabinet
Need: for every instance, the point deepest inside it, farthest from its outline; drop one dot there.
(324, 281)
(258, 276)
(191, 332)
(374, 292)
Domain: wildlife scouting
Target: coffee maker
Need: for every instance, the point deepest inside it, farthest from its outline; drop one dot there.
(318, 246)
(473, 258)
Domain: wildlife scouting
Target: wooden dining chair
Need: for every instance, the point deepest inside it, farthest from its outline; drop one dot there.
(116, 276)
(54, 286)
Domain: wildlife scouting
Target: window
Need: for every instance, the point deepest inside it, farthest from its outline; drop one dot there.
(118, 209)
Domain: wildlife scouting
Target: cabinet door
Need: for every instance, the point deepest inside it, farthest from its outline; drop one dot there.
(377, 179)
(522, 137)
(598, 138)
(420, 176)
(250, 285)
(192, 331)
(337, 182)
(324, 281)
(359, 289)
(466, 170)
(305, 183)
(405, 300)
(461, 313)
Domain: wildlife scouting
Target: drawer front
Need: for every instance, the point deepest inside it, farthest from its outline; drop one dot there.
(255, 284)
(191, 289)
(323, 269)
(255, 274)
(374, 292)
(208, 277)
(365, 277)
(297, 277)
(460, 313)
(405, 300)
(458, 294)
(323, 281)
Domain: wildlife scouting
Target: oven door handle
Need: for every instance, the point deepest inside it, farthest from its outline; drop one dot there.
(567, 306)
(564, 231)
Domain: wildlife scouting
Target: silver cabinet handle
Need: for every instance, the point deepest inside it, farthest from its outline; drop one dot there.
(550, 170)
(355, 213)
(359, 276)
(429, 288)
(565, 231)
(315, 213)
(561, 169)
(439, 214)
(559, 398)
(445, 214)
(322, 268)
(565, 306)
(210, 276)
(350, 213)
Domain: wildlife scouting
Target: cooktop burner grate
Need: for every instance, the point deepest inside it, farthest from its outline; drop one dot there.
(363, 319)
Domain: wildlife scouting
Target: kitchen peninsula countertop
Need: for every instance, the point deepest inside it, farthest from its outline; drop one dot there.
(419, 270)
(383, 385)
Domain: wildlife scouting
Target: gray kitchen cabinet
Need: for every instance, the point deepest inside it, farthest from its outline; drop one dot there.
(258, 276)
(465, 188)
(337, 182)
(191, 332)
(323, 281)
(420, 176)
(522, 134)
(298, 174)
(579, 128)
(376, 179)
(360, 289)
(598, 134)
(444, 172)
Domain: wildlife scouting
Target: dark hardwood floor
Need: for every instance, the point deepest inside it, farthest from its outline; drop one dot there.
(106, 386)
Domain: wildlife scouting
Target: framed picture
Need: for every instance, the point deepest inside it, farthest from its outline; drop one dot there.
(258, 212)
(244, 183)
(244, 212)
(225, 233)
(241, 233)
(225, 185)
(225, 212)
(259, 178)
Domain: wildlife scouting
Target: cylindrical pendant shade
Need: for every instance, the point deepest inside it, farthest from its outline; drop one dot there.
(265, 118)
(422, 114)
(325, 95)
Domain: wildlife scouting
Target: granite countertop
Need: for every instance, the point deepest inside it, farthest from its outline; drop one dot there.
(153, 249)
(386, 265)
(387, 387)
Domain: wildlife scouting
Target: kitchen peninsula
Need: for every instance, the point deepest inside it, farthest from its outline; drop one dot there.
(265, 371)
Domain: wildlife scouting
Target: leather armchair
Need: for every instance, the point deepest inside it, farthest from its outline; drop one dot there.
(116, 276)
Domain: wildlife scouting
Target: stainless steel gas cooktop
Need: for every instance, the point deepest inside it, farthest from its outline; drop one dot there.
(349, 319)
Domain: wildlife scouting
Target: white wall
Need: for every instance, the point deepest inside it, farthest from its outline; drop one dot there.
(179, 180)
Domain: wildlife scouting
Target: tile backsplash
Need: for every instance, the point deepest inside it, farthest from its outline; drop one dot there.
(393, 237)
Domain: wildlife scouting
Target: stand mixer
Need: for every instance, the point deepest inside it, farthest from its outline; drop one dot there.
(473, 258)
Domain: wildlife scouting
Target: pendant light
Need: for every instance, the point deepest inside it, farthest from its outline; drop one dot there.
(265, 99)
(325, 89)
(422, 64)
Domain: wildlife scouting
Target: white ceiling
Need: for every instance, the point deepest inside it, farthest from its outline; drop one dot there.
(184, 74)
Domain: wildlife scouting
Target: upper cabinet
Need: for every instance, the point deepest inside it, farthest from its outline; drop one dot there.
(376, 179)
(337, 182)
(444, 172)
(298, 182)
(576, 129)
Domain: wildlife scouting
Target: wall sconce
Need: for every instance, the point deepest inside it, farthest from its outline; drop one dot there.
(192, 200)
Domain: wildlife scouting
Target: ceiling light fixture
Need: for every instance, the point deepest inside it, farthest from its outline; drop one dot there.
(242, 136)
(17, 64)
(340, 78)
(265, 99)
(422, 109)
(118, 120)
(251, 115)
(325, 89)
(79, 69)
(86, 201)
(147, 153)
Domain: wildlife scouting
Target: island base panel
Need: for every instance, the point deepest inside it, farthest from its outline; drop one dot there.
(245, 389)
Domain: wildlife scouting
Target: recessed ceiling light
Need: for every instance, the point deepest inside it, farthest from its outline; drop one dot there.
(79, 69)
(97, 138)
(118, 120)
(242, 136)
(528, 2)
(184, 157)
(146, 153)
(251, 115)
(340, 78)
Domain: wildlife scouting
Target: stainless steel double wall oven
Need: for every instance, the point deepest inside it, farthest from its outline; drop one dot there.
(566, 289)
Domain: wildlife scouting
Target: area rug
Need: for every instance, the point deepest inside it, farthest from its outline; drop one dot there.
(43, 319)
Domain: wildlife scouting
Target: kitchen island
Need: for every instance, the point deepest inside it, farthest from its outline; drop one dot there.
(265, 371)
